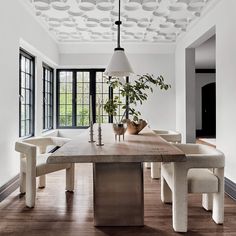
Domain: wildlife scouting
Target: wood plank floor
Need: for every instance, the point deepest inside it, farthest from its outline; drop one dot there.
(59, 213)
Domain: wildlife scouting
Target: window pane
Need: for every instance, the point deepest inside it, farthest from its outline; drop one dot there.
(62, 120)
(69, 99)
(65, 98)
(69, 120)
(86, 88)
(62, 110)
(62, 99)
(62, 87)
(23, 112)
(22, 68)
(27, 65)
(62, 77)
(102, 95)
(69, 77)
(69, 88)
(69, 110)
(79, 98)
(82, 98)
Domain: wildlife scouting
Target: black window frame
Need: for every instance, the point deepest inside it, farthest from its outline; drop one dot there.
(25, 54)
(50, 117)
(92, 89)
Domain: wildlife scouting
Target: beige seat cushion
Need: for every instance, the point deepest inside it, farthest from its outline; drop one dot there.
(199, 180)
(202, 181)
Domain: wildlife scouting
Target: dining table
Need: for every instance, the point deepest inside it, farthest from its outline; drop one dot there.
(118, 186)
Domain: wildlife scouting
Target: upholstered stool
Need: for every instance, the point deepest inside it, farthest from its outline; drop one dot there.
(204, 171)
(33, 163)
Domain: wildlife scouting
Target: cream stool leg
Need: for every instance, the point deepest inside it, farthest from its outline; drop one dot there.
(70, 173)
(218, 199)
(180, 193)
(22, 182)
(42, 181)
(166, 194)
(207, 199)
(30, 182)
(155, 170)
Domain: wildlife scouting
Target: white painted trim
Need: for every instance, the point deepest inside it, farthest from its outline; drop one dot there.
(81, 67)
(107, 48)
(27, 46)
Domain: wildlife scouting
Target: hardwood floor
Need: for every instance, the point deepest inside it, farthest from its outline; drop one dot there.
(59, 213)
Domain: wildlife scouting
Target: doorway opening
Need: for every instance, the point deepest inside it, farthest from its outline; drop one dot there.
(201, 89)
(205, 91)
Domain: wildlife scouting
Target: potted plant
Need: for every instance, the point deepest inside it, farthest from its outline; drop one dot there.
(136, 93)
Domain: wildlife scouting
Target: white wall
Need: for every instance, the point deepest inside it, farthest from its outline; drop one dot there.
(205, 54)
(202, 79)
(159, 110)
(17, 28)
(222, 17)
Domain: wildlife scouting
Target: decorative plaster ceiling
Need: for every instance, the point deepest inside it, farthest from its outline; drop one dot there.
(94, 20)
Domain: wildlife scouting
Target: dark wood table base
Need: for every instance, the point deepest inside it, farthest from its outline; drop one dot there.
(118, 194)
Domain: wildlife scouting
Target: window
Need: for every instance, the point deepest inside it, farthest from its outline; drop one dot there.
(26, 94)
(65, 95)
(102, 94)
(82, 98)
(74, 88)
(47, 97)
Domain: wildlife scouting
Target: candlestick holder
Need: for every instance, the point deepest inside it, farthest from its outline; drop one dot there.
(91, 133)
(99, 143)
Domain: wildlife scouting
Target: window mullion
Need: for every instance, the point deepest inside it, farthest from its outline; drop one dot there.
(74, 99)
(127, 101)
(44, 125)
(92, 81)
(110, 98)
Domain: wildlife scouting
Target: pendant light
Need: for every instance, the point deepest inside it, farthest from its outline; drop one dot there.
(119, 65)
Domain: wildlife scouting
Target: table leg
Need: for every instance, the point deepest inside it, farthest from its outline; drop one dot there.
(118, 194)
(180, 198)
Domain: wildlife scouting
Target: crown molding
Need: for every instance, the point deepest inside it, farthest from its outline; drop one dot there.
(107, 48)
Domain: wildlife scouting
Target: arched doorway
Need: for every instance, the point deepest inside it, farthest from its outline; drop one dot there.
(209, 110)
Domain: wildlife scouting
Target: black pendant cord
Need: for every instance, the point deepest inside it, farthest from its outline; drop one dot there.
(118, 23)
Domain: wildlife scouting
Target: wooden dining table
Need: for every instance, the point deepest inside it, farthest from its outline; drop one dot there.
(118, 172)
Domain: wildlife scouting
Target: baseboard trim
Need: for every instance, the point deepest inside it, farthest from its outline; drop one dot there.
(9, 187)
(230, 188)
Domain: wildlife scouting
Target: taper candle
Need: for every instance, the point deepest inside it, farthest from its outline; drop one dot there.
(99, 113)
(91, 109)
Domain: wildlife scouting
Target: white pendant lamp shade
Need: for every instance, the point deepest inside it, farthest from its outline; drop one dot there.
(119, 65)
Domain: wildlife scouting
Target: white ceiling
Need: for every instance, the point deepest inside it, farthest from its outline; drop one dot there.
(93, 20)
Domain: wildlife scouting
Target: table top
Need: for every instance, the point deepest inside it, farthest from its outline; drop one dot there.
(144, 147)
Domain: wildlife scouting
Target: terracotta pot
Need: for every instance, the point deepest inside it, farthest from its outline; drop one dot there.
(135, 127)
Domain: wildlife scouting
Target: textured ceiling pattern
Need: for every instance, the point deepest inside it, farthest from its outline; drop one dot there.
(94, 20)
